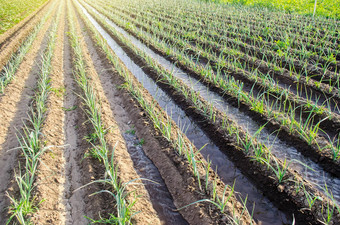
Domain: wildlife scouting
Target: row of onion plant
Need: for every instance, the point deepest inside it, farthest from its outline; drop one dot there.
(278, 52)
(219, 29)
(24, 203)
(223, 51)
(123, 211)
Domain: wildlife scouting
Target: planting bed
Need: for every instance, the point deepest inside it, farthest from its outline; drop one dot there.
(127, 112)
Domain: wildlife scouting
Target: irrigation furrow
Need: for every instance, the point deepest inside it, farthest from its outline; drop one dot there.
(160, 163)
(225, 12)
(235, 32)
(259, 43)
(50, 176)
(284, 76)
(225, 23)
(159, 195)
(13, 108)
(320, 90)
(264, 135)
(176, 28)
(169, 112)
(230, 18)
(225, 107)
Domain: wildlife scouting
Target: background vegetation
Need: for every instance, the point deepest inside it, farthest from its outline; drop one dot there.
(327, 8)
(13, 11)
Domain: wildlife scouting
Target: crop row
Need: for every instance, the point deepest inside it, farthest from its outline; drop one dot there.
(278, 52)
(239, 75)
(202, 23)
(232, 66)
(30, 139)
(266, 32)
(100, 151)
(12, 12)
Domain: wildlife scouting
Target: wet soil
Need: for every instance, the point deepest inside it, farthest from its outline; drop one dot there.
(140, 150)
(116, 141)
(174, 112)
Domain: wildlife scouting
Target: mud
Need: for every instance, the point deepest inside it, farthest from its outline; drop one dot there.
(159, 195)
(293, 141)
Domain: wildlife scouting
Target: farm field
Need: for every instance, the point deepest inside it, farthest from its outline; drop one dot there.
(14, 11)
(169, 112)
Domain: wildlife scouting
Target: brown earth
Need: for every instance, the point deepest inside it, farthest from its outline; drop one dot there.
(286, 199)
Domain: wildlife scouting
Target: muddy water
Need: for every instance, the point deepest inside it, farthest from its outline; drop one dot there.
(278, 147)
(264, 212)
(160, 197)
